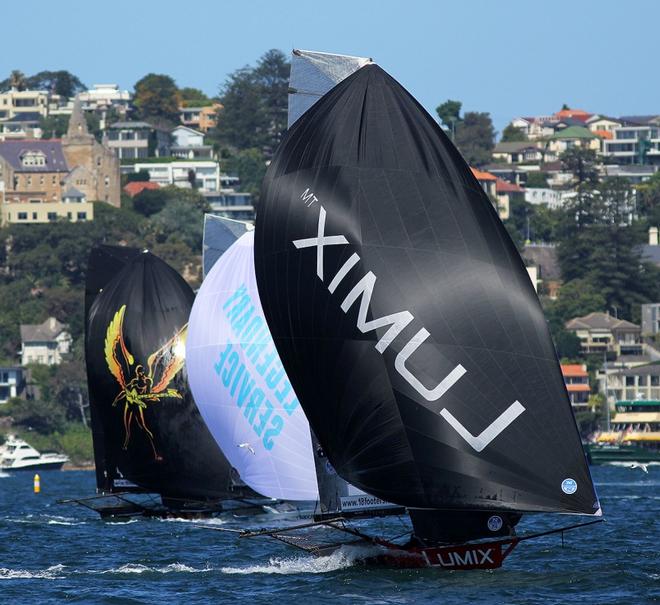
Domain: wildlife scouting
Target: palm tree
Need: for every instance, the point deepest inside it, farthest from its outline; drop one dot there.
(17, 80)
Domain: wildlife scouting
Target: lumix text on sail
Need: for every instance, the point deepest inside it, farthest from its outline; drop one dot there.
(363, 290)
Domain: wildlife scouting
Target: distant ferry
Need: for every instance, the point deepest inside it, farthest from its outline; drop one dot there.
(634, 437)
(18, 455)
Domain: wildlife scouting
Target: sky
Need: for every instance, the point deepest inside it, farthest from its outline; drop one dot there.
(506, 57)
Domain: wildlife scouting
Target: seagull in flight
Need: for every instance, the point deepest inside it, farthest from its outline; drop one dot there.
(641, 465)
(251, 449)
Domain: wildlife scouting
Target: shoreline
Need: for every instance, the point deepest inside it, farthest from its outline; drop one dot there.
(77, 467)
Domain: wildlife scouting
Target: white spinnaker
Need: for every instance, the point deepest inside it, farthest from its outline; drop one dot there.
(315, 73)
(239, 384)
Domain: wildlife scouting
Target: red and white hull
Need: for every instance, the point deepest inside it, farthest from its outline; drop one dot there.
(482, 555)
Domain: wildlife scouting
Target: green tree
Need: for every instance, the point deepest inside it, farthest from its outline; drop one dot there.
(68, 389)
(54, 126)
(150, 201)
(599, 243)
(512, 134)
(60, 82)
(567, 344)
(649, 201)
(544, 223)
(449, 113)
(157, 99)
(581, 162)
(475, 137)
(250, 166)
(17, 80)
(254, 105)
(537, 179)
(41, 416)
(576, 299)
(194, 97)
(142, 176)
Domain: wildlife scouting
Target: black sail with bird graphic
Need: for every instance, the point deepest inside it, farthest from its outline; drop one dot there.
(152, 432)
(405, 317)
(103, 264)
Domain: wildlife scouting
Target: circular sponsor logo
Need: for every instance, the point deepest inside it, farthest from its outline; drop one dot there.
(495, 523)
(569, 486)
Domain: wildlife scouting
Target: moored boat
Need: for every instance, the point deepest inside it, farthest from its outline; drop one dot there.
(633, 437)
(18, 455)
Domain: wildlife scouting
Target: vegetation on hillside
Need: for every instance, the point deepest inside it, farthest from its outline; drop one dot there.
(44, 269)
(598, 233)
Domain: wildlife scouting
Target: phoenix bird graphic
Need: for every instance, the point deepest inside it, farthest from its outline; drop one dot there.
(139, 387)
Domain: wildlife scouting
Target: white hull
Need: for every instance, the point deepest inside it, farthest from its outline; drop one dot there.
(17, 455)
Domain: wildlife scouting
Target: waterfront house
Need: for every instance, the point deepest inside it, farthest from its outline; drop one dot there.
(135, 187)
(200, 118)
(650, 319)
(602, 333)
(634, 142)
(12, 382)
(137, 140)
(203, 174)
(45, 343)
(637, 383)
(544, 257)
(573, 136)
(506, 194)
(189, 144)
(576, 378)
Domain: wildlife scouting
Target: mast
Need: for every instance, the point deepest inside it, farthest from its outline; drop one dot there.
(331, 486)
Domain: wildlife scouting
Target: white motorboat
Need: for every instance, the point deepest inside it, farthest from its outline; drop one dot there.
(18, 455)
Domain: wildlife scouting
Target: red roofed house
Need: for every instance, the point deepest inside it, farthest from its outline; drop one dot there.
(603, 134)
(136, 187)
(491, 185)
(486, 180)
(575, 114)
(506, 193)
(577, 384)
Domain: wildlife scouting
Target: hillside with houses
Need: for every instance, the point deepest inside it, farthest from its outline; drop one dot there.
(578, 191)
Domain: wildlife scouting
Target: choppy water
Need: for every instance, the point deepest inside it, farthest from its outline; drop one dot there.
(51, 553)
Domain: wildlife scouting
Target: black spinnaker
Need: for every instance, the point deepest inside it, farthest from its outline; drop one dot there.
(103, 264)
(147, 429)
(406, 320)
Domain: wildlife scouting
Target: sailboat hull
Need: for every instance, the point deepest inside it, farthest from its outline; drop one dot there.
(486, 555)
(480, 555)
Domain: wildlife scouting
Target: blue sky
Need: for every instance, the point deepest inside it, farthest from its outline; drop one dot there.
(507, 57)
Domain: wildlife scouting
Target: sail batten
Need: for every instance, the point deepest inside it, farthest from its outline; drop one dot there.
(405, 317)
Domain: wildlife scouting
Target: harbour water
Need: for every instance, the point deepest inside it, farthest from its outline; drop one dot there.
(51, 553)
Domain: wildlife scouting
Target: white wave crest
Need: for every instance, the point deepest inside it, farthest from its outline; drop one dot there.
(629, 463)
(138, 568)
(57, 520)
(45, 519)
(51, 573)
(344, 557)
(200, 522)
